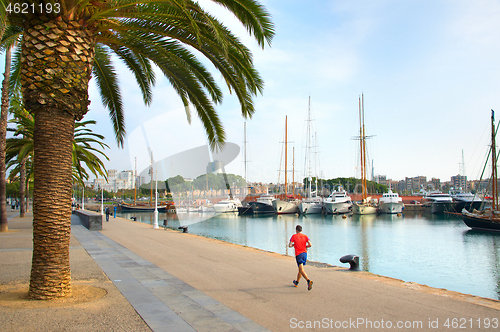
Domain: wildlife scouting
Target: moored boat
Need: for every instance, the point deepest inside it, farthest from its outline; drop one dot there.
(390, 202)
(288, 206)
(144, 207)
(367, 205)
(227, 205)
(488, 219)
(338, 202)
(313, 205)
(466, 201)
(439, 202)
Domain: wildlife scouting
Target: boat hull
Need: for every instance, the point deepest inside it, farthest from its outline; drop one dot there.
(391, 208)
(469, 206)
(310, 208)
(142, 208)
(227, 206)
(442, 207)
(483, 224)
(364, 209)
(285, 207)
(338, 207)
(245, 210)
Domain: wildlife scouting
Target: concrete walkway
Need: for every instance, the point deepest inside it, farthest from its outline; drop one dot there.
(165, 280)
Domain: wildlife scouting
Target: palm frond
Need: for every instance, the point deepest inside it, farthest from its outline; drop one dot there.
(107, 82)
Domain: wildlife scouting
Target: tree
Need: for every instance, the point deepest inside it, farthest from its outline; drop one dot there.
(84, 153)
(60, 50)
(10, 36)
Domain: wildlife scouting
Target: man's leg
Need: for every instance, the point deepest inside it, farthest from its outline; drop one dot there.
(299, 274)
(302, 272)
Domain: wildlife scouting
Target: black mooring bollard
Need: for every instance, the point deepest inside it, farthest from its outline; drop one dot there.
(133, 218)
(184, 229)
(353, 261)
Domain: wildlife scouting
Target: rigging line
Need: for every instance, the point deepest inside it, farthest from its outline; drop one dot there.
(486, 165)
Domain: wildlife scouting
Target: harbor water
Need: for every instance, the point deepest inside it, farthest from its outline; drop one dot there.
(435, 250)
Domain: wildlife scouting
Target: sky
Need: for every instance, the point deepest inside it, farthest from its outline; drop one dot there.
(429, 72)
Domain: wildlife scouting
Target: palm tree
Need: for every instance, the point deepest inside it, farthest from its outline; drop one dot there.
(64, 42)
(84, 155)
(8, 41)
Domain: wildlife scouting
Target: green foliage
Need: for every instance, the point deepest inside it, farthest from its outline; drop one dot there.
(20, 146)
(351, 185)
(207, 181)
(12, 189)
(169, 35)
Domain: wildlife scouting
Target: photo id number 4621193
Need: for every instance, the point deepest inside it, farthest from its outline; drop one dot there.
(32, 8)
(471, 323)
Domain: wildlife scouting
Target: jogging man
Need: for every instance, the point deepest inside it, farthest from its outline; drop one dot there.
(300, 242)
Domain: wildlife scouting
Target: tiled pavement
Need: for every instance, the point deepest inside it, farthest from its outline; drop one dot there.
(163, 301)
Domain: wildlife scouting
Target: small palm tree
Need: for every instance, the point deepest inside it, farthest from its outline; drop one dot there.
(10, 37)
(85, 154)
(66, 41)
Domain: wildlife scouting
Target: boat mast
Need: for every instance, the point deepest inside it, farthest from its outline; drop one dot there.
(151, 172)
(494, 185)
(293, 172)
(308, 147)
(365, 190)
(286, 169)
(361, 147)
(135, 181)
(245, 144)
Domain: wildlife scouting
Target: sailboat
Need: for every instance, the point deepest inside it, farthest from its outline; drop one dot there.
(489, 218)
(289, 205)
(366, 206)
(313, 204)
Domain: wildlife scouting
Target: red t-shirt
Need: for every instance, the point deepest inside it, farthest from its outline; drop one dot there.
(299, 243)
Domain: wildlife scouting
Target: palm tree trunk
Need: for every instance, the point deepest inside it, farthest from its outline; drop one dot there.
(50, 270)
(28, 194)
(56, 66)
(22, 187)
(4, 226)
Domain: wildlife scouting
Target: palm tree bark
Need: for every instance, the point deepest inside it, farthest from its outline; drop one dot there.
(4, 226)
(50, 270)
(56, 65)
(22, 187)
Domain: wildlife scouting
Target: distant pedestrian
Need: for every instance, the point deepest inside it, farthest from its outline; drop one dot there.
(17, 204)
(300, 242)
(107, 213)
(12, 204)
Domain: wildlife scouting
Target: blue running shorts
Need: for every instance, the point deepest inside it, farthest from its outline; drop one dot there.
(301, 258)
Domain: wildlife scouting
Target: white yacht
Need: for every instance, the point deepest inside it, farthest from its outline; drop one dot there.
(311, 205)
(289, 206)
(391, 202)
(227, 205)
(338, 202)
(439, 202)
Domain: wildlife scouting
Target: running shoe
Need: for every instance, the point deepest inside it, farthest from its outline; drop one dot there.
(309, 285)
(296, 283)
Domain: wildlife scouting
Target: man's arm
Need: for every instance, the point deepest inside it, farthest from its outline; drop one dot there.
(308, 244)
(290, 244)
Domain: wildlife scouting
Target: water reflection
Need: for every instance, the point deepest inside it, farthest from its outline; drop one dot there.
(437, 250)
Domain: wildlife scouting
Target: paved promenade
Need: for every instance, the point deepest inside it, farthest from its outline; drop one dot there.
(163, 280)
